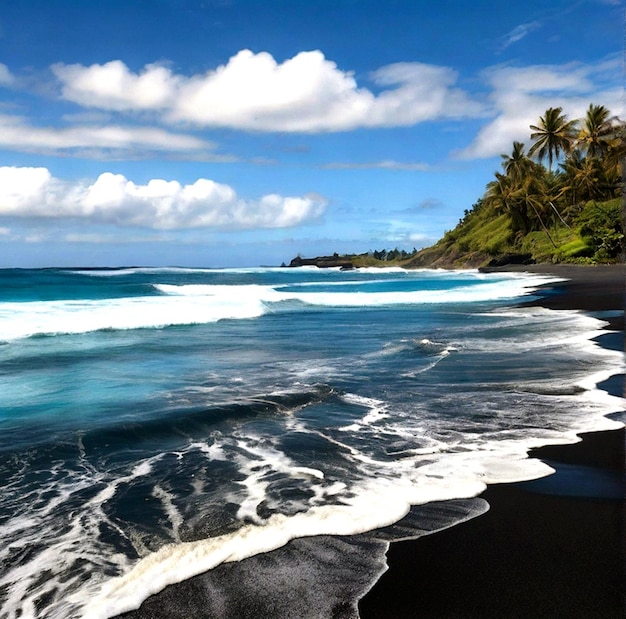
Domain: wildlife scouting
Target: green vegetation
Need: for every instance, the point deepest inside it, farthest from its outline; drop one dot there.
(530, 213)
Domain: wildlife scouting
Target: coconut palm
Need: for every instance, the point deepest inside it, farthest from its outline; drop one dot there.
(532, 196)
(570, 170)
(502, 195)
(517, 165)
(615, 158)
(500, 192)
(598, 131)
(554, 134)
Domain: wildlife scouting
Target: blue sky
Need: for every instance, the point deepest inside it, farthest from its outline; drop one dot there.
(244, 132)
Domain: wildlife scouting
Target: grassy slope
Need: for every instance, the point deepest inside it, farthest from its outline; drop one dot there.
(483, 236)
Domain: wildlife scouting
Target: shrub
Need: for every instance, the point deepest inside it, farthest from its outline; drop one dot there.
(600, 225)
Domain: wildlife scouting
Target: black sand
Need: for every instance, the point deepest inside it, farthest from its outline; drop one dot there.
(539, 551)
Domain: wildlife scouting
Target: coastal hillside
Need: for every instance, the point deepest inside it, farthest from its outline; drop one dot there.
(569, 211)
(590, 234)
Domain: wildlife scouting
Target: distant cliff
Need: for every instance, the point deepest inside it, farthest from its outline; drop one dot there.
(323, 262)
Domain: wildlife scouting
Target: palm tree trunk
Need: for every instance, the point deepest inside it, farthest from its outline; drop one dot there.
(559, 215)
(543, 225)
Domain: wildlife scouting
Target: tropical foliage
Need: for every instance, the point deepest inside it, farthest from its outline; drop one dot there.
(567, 211)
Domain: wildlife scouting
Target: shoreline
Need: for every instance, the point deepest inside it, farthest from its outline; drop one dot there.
(592, 289)
(531, 555)
(551, 547)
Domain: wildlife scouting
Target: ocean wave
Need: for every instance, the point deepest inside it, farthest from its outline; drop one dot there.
(372, 507)
(21, 320)
(187, 304)
(188, 448)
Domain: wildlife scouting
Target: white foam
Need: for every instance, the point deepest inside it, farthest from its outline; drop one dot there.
(385, 490)
(376, 411)
(204, 303)
(484, 291)
(20, 320)
(60, 539)
(257, 462)
(174, 516)
(379, 505)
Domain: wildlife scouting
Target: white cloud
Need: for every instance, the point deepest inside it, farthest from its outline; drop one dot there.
(387, 164)
(112, 86)
(159, 204)
(307, 93)
(420, 237)
(423, 92)
(567, 78)
(519, 32)
(521, 95)
(17, 133)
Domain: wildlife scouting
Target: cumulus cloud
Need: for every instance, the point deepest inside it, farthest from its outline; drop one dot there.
(307, 93)
(159, 204)
(520, 95)
(422, 92)
(114, 87)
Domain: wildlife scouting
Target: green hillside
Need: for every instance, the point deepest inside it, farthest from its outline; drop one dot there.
(530, 213)
(484, 236)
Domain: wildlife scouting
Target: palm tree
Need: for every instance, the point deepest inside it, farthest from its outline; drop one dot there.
(615, 158)
(598, 131)
(532, 196)
(502, 195)
(569, 179)
(517, 165)
(554, 135)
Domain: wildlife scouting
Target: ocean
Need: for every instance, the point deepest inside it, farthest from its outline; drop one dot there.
(272, 429)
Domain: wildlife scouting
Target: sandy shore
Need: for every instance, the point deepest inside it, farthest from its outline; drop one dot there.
(550, 548)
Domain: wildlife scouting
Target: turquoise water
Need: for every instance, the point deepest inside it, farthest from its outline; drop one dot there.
(157, 422)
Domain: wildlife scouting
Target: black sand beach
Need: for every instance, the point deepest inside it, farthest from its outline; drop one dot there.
(550, 548)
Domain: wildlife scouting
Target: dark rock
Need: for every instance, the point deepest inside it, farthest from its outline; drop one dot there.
(505, 259)
(323, 262)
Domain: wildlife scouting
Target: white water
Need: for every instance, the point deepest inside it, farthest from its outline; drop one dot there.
(202, 304)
